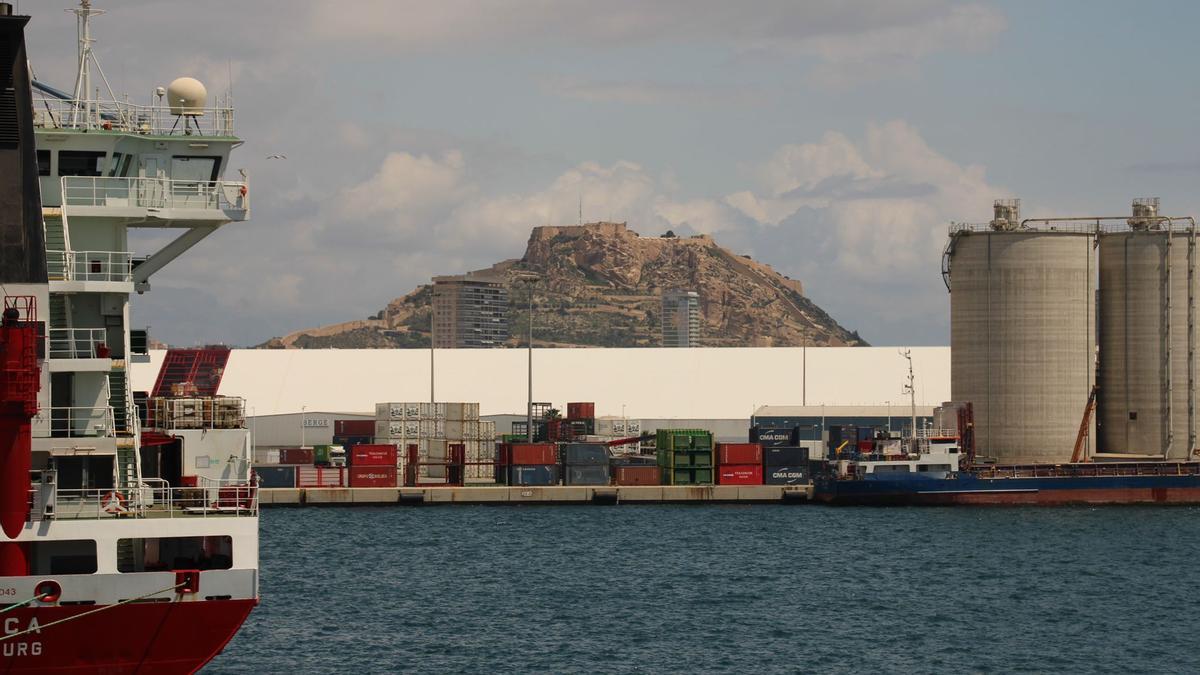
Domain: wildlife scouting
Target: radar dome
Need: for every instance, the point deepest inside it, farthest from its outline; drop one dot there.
(187, 96)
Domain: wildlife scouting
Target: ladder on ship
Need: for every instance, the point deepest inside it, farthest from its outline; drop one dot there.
(200, 367)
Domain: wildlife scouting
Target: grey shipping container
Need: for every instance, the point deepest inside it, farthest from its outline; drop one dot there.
(785, 456)
(590, 474)
(276, 476)
(773, 436)
(786, 475)
(585, 453)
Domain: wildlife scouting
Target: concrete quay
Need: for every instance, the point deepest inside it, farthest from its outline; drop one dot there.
(556, 494)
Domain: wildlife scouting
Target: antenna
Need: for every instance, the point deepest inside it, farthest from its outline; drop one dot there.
(86, 59)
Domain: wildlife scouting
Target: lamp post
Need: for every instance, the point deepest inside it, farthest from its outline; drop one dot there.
(303, 410)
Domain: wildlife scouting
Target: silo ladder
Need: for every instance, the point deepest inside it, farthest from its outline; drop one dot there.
(1077, 455)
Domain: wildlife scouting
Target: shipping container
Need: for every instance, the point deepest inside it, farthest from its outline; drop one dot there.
(785, 456)
(787, 475)
(373, 455)
(353, 427)
(280, 476)
(773, 436)
(866, 447)
(321, 455)
(296, 456)
(533, 453)
(740, 474)
(462, 412)
(636, 475)
(318, 476)
(739, 453)
(680, 476)
(581, 411)
(461, 429)
(266, 456)
(585, 453)
(546, 474)
(372, 476)
(351, 441)
(592, 474)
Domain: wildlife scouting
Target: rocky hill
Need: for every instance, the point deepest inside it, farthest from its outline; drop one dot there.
(601, 285)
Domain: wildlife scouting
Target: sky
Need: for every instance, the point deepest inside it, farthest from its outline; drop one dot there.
(835, 140)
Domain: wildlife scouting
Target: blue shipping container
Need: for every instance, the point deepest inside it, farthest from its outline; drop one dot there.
(276, 476)
(534, 474)
(785, 456)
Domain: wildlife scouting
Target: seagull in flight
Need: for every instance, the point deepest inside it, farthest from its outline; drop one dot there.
(276, 156)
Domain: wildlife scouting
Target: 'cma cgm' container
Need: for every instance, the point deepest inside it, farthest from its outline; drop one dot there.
(773, 436)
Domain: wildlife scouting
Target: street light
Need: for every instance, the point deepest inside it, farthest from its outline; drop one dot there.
(530, 278)
(303, 410)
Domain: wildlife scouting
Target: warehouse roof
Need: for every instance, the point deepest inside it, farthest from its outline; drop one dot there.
(649, 383)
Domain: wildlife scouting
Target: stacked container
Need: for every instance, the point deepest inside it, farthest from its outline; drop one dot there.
(739, 464)
(786, 465)
(373, 465)
(685, 456)
(529, 463)
(432, 428)
(349, 433)
(582, 418)
(585, 464)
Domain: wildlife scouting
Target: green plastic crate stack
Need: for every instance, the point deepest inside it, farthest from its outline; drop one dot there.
(685, 456)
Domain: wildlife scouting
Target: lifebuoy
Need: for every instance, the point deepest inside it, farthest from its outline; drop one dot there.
(114, 502)
(48, 591)
(243, 190)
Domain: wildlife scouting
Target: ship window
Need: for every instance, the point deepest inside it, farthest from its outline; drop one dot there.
(933, 467)
(195, 168)
(160, 554)
(125, 165)
(80, 163)
(115, 163)
(43, 157)
(890, 468)
(70, 556)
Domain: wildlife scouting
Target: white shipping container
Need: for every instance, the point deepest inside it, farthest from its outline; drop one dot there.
(266, 456)
(461, 429)
(462, 411)
(487, 430)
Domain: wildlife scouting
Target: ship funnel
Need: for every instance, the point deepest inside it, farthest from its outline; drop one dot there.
(1006, 214)
(1145, 214)
(22, 244)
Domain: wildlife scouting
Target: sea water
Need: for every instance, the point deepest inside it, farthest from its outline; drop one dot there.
(723, 588)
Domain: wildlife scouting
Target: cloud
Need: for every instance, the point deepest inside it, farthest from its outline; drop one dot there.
(651, 93)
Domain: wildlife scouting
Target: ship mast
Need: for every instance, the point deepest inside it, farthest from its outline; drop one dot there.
(85, 106)
(911, 389)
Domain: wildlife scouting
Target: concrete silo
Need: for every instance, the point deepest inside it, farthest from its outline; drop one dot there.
(1148, 336)
(1022, 333)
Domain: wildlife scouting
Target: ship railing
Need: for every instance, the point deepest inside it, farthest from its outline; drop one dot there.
(155, 193)
(152, 499)
(77, 343)
(150, 120)
(197, 412)
(90, 265)
(76, 422)
(936, 432)
(1099, 225)
(1090, 469)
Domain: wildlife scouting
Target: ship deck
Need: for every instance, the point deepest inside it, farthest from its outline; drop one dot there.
(556, 494)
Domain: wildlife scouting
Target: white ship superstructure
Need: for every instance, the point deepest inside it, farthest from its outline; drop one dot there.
(131, 506)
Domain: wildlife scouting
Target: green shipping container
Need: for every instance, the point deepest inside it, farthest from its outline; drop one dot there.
(321, 454)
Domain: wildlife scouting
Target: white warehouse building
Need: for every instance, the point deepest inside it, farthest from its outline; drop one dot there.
(645, 383)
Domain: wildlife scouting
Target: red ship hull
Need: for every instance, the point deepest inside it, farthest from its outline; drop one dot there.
(168, 637)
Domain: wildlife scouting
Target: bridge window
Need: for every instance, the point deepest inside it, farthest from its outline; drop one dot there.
(155, 554)
(81, 163)
(195, 168)
(71, 556)
(43, 159)
(115, 164)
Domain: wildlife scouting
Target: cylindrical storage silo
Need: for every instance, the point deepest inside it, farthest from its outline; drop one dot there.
(1022, 338)
(1145, 381)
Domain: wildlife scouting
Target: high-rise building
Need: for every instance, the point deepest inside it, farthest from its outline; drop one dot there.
(470, 311)
(681, 319)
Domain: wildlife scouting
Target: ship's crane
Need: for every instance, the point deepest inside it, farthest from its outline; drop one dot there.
(1077, 455)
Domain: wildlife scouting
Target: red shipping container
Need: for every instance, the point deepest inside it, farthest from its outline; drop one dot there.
(743, 474)
(581, 411)
(309, 476)
(296, 456)
(373, 476)
(354, 427)
(637, 475)
(866, 447)
(739, 453)
(373, 455)
(534, 453)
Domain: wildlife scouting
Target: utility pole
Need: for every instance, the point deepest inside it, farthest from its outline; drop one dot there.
(911, 389)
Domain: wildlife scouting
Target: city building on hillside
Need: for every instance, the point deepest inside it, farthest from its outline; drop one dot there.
(469, 311)
(681, 319)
